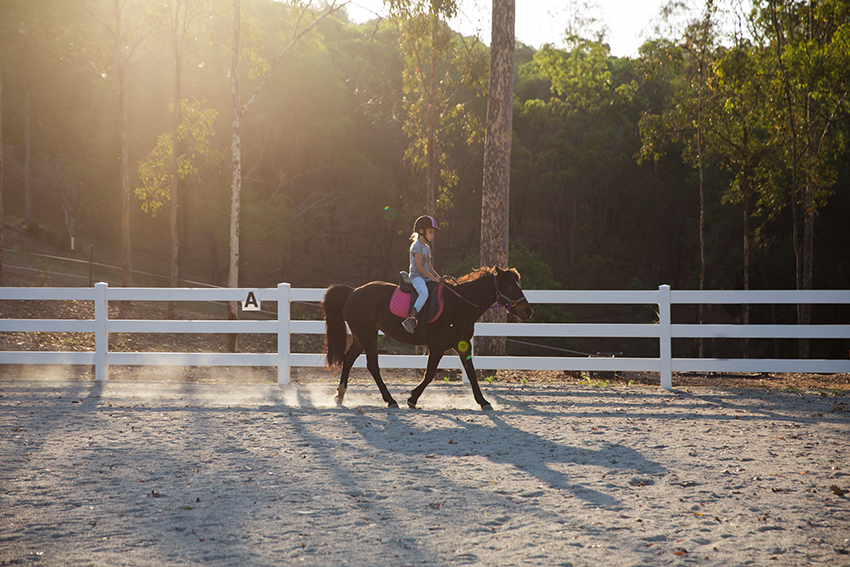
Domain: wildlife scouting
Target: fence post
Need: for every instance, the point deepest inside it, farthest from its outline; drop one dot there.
(665, 362)
(101, 338)
(283, 344)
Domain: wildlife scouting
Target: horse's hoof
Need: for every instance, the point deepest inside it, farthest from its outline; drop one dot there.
(487, 407)
(393, 405)
(411, 404)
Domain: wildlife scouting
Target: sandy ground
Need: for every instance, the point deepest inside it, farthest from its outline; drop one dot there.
(169, 473)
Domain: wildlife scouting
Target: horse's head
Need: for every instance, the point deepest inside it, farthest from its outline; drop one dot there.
(509, 293)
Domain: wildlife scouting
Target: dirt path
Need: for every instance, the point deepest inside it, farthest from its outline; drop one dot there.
(167, 473)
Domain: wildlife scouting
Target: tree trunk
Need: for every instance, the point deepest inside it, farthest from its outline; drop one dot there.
(432, 176)
(794, 192)
(701, 307)
(745, 189)
(1, 176)
(120, 71)
(175, 174)
(27, 132)
(495, 196)
(236, 170)
(808, 253)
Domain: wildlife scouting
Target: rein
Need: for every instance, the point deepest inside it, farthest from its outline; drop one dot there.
(507, 303)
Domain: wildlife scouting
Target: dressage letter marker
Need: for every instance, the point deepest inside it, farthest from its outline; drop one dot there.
(251, 303)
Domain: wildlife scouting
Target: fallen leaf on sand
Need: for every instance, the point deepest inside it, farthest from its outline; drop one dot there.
(837, 491)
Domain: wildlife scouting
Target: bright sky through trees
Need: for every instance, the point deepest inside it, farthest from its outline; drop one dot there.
(629, 22)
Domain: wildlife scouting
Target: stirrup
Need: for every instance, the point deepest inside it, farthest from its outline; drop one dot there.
(409, 324)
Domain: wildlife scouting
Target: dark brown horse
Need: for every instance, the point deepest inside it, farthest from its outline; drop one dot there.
(367, 310)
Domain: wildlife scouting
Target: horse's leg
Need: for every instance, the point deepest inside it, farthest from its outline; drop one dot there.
(463, 351)
(375, 370)
(434, 357)
(351, 355)
(370, 345)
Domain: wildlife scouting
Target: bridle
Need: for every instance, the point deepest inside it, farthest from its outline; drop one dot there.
(502, 300)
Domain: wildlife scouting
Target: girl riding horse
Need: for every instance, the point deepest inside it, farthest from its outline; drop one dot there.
(367, 311)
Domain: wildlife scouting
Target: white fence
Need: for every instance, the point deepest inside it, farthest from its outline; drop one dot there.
(663, 331)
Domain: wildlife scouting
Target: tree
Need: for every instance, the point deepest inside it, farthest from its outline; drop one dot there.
(495, 195)
(25, 23)
(580, 138)
(737, 133)
(164, 167)
(1, 174)
(195, 134)
(443, 75)
(122, 29)
(238, 110)
(685, 119)
(26, 52)
(811, 58)
(179, 16)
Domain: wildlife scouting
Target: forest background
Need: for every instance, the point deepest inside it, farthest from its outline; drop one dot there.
(717, 158)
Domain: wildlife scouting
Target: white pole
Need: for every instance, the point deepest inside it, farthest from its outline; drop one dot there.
(283, 344)
(101, 338)
(665, 362)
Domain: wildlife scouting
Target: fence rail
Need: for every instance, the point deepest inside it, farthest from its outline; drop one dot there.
(664, 331)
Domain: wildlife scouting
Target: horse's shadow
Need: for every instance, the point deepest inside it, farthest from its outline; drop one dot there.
(466, 435)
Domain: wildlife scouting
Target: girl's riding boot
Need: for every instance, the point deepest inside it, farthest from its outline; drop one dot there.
(409, 324)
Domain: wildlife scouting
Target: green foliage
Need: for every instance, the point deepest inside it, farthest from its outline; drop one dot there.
(534, 272)
(603, 192)
(443, 75)
(572, 141)
(195, 131)
(594, 383)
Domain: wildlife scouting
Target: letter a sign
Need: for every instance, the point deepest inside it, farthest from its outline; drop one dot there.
(251, 303)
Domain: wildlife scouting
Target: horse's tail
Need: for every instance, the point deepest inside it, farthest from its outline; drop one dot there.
(336, 337)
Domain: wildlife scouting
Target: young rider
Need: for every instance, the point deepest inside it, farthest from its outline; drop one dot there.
(421, 265)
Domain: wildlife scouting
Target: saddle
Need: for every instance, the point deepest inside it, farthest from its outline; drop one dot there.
(405, 296)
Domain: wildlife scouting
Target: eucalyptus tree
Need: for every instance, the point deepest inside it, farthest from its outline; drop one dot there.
(443, 75)
(738, 132)
(681, 68)
(1, 173)
(26, 34)
(195, 133)
(305, 23)
(811, 59)
(178, 16)
(118, 30)
(495, 194)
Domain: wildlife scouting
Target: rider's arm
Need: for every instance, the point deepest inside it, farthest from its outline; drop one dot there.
(420, 265)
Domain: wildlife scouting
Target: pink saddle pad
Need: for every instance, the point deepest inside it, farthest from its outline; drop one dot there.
(400, 303)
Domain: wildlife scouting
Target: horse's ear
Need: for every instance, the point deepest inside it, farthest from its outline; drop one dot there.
(498, 270)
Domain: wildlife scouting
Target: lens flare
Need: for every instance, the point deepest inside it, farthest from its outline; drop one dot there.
(463, 346)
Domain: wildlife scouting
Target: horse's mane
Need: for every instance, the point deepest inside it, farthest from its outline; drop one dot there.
(479, 273)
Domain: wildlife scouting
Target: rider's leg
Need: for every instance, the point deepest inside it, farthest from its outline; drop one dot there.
(422, 290)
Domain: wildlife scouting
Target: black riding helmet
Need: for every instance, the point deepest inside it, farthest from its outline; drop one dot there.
(424, 222)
